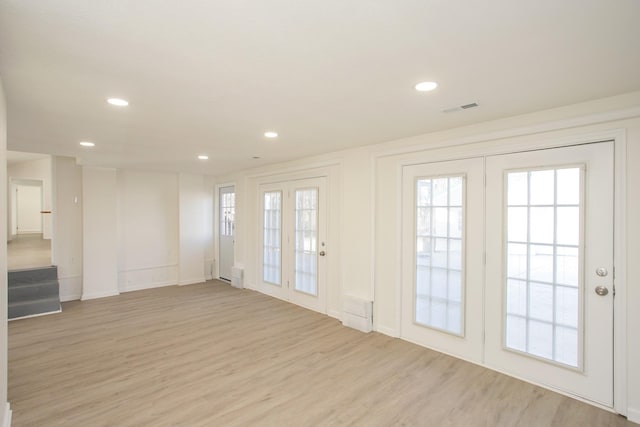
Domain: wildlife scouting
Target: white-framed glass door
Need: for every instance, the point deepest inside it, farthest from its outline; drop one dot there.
(274, 244)
(226, 230)
(308, 243)
(549, 271)
(442, 248)
(293, 241)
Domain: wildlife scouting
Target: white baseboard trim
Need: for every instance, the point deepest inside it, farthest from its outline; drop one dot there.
(70, 297)
(99, 295)
(6, 422)
(36, 315)
(191, 281)
(70, 288)
(387, 331)
(334, 313)
(633, 415)
(143, 286)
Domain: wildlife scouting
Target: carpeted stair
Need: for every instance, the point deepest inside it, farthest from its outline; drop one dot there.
(33, 291)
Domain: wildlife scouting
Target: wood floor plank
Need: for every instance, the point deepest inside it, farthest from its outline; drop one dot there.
(212, 355)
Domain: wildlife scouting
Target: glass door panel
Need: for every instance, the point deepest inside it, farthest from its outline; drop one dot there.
(272, 238)
(438, 275)
(306, 241)
(544, 212)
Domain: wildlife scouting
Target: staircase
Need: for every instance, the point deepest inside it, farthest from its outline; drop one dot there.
(33, 291)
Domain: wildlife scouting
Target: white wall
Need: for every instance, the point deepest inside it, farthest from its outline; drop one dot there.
(210, 227)
(158, 225)
(37, 170)
(5, 412)
(148, 230)
(99, 229)
(366, 193)
(195, 228)
(66, 250)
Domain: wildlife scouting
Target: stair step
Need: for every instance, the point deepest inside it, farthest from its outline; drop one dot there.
(29, 308)
(32, 275)
(32, 291)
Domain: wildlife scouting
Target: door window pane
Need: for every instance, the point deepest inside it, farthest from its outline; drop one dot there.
(544, 209)
(227, 213)
(271, 238)
(439, 265)
(306, 241)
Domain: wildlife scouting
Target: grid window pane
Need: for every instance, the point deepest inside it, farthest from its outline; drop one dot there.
(517, 220)
(227, 213)
(542, 263)
(271, 238)
(439, 233)
(306, 241)
(541, 225)
(518, 188)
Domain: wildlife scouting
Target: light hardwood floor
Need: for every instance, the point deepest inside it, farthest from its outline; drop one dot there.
(212, 355)
(28, 251)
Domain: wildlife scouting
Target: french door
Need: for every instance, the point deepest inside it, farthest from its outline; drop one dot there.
(443, 256)
(293, 244)
(540, 306)
(227, 212)
(549, 273)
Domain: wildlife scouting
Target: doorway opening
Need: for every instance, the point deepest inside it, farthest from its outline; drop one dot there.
(29, 220)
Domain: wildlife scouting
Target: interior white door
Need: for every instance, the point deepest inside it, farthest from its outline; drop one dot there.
(293, 244)
(226, 233)
(549, 271)
(28, 209)
(442, 241)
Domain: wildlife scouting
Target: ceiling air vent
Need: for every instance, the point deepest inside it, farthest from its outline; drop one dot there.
(460, 107)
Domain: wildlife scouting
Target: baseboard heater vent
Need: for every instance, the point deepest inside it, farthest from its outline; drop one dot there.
(237, 277)
(357, 313)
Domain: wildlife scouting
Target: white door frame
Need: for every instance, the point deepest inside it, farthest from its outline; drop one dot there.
(216, 228)
(544, 141)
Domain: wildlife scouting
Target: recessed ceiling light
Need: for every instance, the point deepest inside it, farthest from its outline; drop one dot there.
(271, 134)
(118, 102)
(87, 144)
(203, 157)
(426, 86)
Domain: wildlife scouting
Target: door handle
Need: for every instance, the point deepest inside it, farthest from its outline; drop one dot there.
(601, 290)
(322, 253)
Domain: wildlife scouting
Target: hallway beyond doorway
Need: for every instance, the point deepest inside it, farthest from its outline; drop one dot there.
(28, 251)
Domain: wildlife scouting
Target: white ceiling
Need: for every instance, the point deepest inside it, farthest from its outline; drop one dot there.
(14, 157)
(210, 76)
